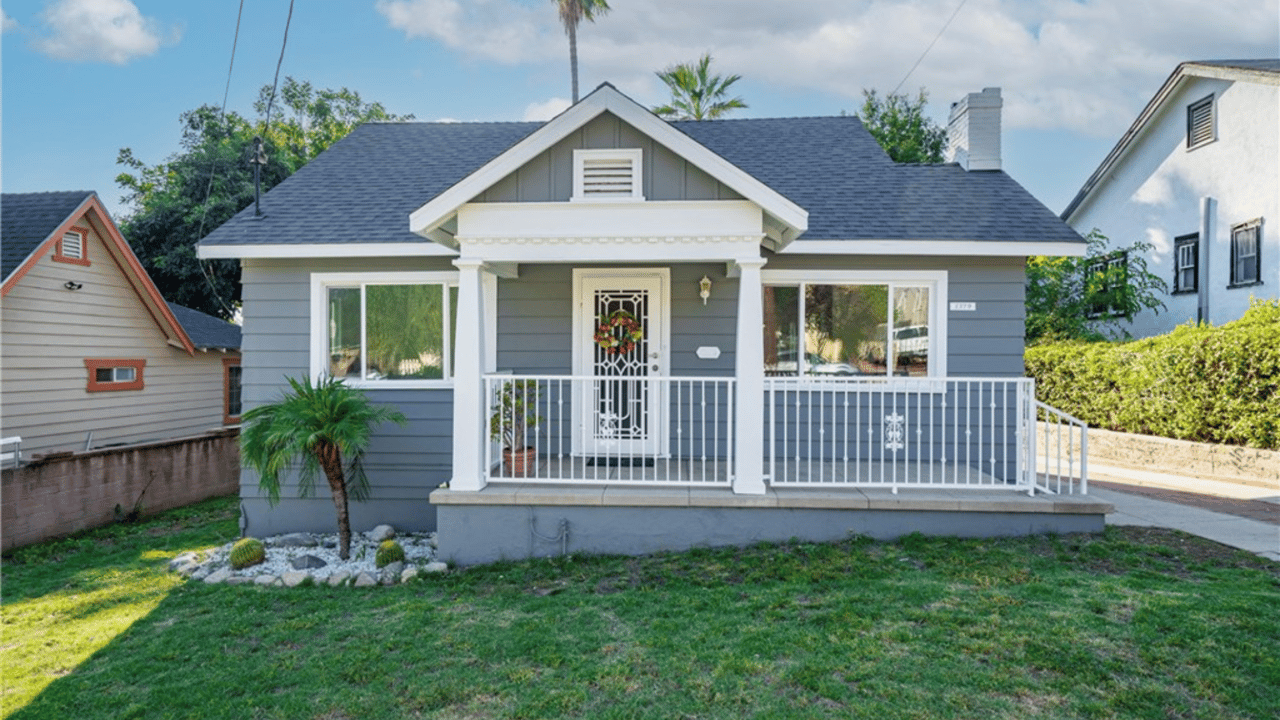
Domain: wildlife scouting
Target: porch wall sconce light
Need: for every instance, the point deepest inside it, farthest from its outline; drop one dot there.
(72, 285)
(704, 289)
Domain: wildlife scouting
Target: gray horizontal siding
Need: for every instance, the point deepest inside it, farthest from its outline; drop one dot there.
(403, 463)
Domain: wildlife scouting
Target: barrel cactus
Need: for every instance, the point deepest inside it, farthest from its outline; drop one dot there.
(246, 552)
(389, 551)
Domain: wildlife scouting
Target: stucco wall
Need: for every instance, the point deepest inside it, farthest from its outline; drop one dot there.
(1155, 193)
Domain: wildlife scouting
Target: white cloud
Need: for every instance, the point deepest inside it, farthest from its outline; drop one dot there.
(1081, 65)
(546, 110)
(7, 23)
(100, 31)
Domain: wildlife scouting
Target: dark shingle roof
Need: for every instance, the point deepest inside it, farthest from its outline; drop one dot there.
(206, 331)
(1271, 65)
(26, 219)
(364, 187)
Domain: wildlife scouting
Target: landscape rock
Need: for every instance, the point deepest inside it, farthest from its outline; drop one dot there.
(186, 558)
(239, 580)
(364, 579)
(390, 574)
(408, 574)
(294, 578)
(294, 540)
(186, 569)
(307, 562)
(217, 577)
(436, 567)
(266, 580)
(200, 573)
(431, 540)
(339, 578)
(380, 533)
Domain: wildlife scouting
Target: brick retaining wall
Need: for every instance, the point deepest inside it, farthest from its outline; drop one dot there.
(65, 493)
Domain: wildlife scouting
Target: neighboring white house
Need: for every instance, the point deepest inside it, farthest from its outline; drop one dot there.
(1198, 177)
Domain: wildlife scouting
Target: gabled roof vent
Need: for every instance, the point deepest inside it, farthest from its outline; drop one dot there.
(607, 175)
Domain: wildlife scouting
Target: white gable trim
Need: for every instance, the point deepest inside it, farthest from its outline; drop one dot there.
(606, 98)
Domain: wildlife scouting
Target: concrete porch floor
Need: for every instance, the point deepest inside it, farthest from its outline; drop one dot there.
(519, 521)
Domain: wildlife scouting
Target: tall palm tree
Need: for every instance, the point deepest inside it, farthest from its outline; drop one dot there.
(327, 426)
(696, 94)
(572, 13)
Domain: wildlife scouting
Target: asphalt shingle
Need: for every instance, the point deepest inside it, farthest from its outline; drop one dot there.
(364, 187)
(26, 219)
(206, 331)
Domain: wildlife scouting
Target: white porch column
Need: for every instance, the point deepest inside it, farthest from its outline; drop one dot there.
(468, 389)
(749, 412)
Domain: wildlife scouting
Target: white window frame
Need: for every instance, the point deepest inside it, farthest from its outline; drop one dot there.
(634, 155)
(935, 280)
(1186, 245)
(1256, 226)
(320, 284)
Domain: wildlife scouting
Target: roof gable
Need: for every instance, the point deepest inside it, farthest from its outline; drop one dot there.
(206, 331)
(428, 219)
(36, 215)
(1264, 71)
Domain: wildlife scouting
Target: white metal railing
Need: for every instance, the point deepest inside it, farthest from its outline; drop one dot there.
(903, 432)
(618, 430)
(977, 433)
(13, 457)
(1060, 445)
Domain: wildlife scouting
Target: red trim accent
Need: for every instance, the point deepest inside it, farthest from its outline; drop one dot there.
(84, 247)
(227, 364)
(112, 239)
(95, 364)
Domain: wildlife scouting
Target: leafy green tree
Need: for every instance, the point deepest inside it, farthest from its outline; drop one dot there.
(696, 94)
(169, 214)
(572, 13)
(326, 427)
(901, 128)
(1086, 298)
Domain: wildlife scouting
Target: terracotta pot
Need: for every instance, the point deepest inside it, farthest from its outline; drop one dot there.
(519, 463)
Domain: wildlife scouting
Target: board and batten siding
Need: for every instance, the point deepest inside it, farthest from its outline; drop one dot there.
(549, 176)
(47, 333)
(404, 464)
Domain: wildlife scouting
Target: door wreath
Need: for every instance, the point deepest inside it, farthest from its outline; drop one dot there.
(618, 332)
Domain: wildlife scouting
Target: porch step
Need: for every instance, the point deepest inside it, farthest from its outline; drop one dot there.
(918, 499)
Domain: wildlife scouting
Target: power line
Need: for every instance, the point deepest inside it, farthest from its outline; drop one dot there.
(276, 83)
(213, 169)
(926, 50)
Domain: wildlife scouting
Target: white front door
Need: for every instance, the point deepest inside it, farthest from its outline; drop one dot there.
(621, 330)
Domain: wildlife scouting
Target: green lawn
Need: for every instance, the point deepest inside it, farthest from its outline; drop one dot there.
(1131, 624)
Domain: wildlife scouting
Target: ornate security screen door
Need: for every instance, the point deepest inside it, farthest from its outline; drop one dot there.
(620, 411)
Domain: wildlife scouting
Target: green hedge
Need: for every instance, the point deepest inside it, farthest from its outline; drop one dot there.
(1209, 384)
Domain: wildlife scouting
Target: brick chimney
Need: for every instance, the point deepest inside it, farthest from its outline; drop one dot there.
(973, 131)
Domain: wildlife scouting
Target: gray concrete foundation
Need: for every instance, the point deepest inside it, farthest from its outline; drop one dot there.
(515, 523)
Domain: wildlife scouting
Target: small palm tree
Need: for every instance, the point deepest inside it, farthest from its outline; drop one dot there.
(696, 94)
(327, 426)
(572, 13)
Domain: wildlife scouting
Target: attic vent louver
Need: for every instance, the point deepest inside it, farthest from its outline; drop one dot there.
(607, 175)
(72, 245)
(1200, 122)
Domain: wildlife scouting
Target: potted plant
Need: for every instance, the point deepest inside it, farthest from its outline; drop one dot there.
(515, 415)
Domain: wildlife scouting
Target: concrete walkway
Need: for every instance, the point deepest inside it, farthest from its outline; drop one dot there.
(1186, 510)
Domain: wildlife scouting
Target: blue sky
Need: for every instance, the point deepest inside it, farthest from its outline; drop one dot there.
(84, 78)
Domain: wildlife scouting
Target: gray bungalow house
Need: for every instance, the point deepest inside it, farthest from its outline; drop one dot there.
(614, 333)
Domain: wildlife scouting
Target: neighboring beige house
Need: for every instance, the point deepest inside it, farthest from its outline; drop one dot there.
(91, 355)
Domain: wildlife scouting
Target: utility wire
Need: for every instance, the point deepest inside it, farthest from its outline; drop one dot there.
(926, 50)
(276, 83)
(213, 169)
